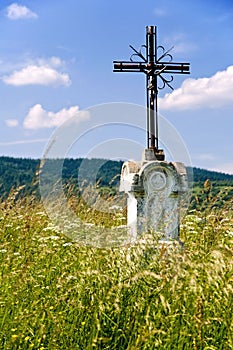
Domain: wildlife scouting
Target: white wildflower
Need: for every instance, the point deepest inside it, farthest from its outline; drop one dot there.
(53, 238)
(89, 224)
(71, 278)
(116, 207)
(67, 244)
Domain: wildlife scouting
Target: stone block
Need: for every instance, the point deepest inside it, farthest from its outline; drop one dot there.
(156, 191)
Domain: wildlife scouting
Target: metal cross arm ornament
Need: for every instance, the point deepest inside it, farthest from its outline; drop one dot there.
(154, 67)
(164, 67)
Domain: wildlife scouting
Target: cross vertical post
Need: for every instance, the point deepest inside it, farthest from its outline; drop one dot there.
(152, 138)
(154, 67)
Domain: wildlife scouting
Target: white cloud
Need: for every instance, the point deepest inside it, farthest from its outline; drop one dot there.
(37, 75)
(8, 67)
(12, 122)
(54, 62)
(22, 142)
(15, 11)
(38, 118)
(224, 168)
(213, 92)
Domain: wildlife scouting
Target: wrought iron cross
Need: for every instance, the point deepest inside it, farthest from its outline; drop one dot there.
(154, 68)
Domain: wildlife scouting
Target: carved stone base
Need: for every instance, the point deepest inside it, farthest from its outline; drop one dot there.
(155, 192)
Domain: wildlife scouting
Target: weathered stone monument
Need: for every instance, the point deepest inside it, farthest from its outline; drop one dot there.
(155, 188)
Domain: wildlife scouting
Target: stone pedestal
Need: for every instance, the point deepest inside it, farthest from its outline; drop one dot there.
(155, 192)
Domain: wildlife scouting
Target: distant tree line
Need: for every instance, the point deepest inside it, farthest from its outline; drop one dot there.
(24, 173)
(201, 175)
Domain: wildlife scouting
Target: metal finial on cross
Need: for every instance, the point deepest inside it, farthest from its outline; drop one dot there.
(154, 67)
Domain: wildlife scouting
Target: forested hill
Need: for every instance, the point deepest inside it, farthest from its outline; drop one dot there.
(15, 172)
(201, 175)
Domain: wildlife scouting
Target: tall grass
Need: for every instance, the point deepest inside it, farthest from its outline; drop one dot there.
(58, 295)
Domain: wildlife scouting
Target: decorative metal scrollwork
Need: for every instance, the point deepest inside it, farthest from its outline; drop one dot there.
(165, 82)
(138, 53)
(165, 53)
(153, 72)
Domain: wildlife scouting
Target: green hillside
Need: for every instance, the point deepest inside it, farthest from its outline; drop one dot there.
(16, 172)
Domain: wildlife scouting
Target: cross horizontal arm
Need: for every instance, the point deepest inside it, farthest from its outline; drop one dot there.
(151, 69)
(126, 66)
(172, 67)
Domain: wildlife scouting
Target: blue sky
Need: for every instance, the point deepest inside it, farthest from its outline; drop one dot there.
(56, 60)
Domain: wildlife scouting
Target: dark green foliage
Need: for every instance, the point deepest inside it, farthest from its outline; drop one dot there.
(201, 175)
(92, 171)
(17, 172)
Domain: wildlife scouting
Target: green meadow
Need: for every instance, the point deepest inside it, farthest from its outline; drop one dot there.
(58, 295)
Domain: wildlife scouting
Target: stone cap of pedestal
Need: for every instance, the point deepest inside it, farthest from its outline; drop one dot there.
(133, 174)
(149, 154)
(181, 170)
(175, 167)
(180, 167)
(129, 172)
